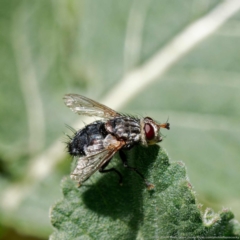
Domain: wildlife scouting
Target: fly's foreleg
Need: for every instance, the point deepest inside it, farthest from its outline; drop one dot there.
(103, 170)
(125, 164)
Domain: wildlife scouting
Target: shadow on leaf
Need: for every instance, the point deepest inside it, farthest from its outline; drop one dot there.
(108, 198)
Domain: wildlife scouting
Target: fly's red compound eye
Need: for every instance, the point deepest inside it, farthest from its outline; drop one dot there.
(149, 131)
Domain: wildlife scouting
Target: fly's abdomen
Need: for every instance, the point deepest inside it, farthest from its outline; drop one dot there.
(88, 140)
(126, 128)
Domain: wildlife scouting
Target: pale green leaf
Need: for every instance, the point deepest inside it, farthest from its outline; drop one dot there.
(101, 209)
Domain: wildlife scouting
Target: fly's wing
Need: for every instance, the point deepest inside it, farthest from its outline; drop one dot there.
(85, 106)
(89, 164)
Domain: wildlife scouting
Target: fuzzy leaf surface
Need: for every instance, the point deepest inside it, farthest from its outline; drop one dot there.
(101, 209)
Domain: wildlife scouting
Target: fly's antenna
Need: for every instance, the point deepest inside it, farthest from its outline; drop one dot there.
(164, 125)
(167, 119)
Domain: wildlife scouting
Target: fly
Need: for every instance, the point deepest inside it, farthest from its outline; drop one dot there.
(96, 143)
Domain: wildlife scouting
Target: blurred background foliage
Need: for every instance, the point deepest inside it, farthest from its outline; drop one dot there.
(49, 48)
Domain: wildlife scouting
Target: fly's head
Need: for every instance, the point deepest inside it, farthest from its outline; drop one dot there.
(150, 131)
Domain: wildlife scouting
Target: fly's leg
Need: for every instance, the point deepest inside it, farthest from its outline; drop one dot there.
(103, 170)
(125, 164)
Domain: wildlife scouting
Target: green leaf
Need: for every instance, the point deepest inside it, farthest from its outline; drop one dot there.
(101, 209)
(50, 48)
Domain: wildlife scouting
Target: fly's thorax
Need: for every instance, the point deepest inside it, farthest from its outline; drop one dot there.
(124, 128)
(110, 142)
(149, 131)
